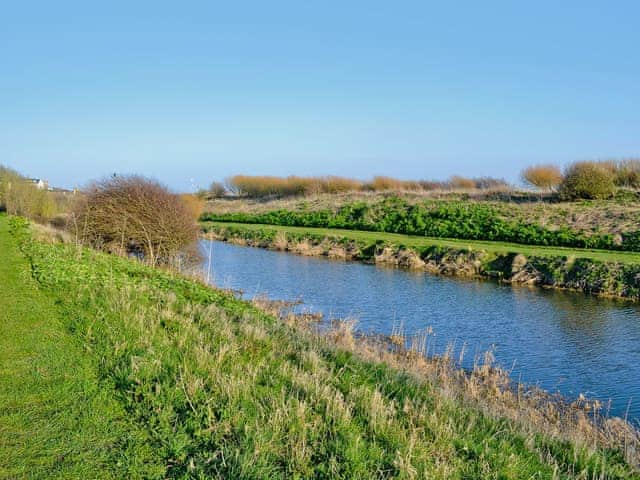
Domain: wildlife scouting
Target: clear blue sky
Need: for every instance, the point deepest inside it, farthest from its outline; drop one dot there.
(203, 90)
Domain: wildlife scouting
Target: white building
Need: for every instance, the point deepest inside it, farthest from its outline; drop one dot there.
(39, 183)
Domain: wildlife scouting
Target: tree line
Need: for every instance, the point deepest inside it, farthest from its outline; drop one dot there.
(585, 179)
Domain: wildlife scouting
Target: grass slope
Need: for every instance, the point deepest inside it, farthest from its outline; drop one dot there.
(412, 241)
(55, 419)
(223, 390)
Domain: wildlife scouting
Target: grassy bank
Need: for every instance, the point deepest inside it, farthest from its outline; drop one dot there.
(221, 389)
(614, 218)
(598, 272)
(419, 242)
(57, 420)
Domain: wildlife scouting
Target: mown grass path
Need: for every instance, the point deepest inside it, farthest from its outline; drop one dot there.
(55, 419)
(421, 242)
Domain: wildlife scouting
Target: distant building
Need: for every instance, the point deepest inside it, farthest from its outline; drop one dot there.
(39, 183)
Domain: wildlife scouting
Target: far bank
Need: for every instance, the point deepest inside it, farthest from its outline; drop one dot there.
(595, 272)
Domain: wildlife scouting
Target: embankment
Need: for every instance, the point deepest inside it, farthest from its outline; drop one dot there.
(214, 387)
(554, 268)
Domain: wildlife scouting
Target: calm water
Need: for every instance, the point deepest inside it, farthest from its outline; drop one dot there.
(559, 340)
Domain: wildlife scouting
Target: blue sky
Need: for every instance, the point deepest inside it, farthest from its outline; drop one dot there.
(202, 90)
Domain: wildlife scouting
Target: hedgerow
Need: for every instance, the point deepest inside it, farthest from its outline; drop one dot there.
(461, 220)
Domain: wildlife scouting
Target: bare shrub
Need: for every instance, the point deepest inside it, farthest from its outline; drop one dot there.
(382, 183)
(217, 190)
(588, 180)
(545, 177)
(195, 205)
(461, 183)
(136, 215)
(263, 186)
(334, 184)
(269, 186)
(429, 185)
(490, 183)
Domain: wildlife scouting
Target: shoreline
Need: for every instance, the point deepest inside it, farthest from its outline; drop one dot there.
(605, 279)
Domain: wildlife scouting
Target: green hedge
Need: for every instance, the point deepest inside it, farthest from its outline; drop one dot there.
(462, 220)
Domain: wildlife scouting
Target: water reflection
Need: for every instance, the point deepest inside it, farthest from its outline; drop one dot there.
(560, 340)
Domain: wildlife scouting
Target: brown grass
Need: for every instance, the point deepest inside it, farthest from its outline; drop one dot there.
(266, 187)
(486, 387)
(194, 204)
(461, 183)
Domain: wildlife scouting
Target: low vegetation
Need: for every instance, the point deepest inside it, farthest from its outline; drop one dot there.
(269, 186)
(19, 196)
(596, 272)
(453, 219)
(222, 389)
(590, 180)
(58, 420)
(582, 180)
(543, 177)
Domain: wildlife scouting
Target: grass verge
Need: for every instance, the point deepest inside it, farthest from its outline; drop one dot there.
(56, 419)
(223, 389)
(418, 243)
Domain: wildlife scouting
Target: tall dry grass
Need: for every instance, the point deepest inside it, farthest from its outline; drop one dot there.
(272, 186)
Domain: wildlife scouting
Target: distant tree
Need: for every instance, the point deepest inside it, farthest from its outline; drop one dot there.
(587, 180)
(20, 196)
(461, 183)
(133, 214)
(335, 184)
(489, 183)
(194, 204)
(429, 185)
(217, 190)
(543, 177)
(382, 183)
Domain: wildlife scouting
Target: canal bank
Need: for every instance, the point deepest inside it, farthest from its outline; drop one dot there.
(595, 272)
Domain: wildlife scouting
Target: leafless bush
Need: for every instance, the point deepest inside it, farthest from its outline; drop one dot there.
(489, 183)
(267, 186)
(217, 190)
(382, 184)
(544, 177)
(135, 215)
(429, 185)
(461, 183)
(334, 184)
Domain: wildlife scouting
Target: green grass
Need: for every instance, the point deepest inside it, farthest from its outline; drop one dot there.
(422, 242)
(56, 420)
(107, 350)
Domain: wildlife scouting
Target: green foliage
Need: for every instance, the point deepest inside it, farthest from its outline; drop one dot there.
(226, 391)
(460, 220)
(593, 272)
(588, 180)
(20, 197)
(57, 421)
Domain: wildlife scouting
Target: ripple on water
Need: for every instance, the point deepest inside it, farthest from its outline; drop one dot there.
(562, 341)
